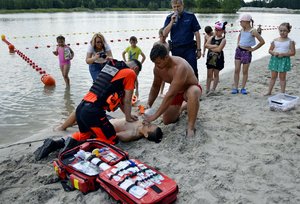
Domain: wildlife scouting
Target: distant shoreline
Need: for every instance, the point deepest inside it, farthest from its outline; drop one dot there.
(269, 10)
(242, 9)
(79, 9)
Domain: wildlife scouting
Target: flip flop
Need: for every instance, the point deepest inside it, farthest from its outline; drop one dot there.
(234, 91)
(244, 91)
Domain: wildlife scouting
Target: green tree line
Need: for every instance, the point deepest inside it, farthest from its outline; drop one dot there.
(192, 5)
(290, 4)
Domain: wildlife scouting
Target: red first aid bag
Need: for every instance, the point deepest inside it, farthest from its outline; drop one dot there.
(95, 164)
(79, 167)
(131, 181)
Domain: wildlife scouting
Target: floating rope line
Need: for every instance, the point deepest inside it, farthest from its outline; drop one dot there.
(47, 79)
(141, 38)
(109, 31)
(85, 33)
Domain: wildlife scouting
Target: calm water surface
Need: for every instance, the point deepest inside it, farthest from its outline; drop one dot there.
(28, 108)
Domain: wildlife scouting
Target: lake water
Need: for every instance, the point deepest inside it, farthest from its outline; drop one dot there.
(28, 108)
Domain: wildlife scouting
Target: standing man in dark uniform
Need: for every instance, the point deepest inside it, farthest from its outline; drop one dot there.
(183, 27)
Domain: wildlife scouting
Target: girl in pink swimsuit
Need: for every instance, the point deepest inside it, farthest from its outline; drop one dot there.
(65, 55)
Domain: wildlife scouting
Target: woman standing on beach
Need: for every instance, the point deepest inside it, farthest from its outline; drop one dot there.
(281, 49)
(243, 52)
(97, 53)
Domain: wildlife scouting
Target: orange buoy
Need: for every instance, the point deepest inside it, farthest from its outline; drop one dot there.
(134, 99)
(141, 109)
(48, 80)
(11, 48)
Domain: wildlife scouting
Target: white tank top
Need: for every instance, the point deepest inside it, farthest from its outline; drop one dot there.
(246, 39)
(282, 46)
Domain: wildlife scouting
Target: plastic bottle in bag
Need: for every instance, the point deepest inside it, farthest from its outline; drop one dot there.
(67, 53)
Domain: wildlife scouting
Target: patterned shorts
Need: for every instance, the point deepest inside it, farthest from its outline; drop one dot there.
(244, 55)
(280, 64)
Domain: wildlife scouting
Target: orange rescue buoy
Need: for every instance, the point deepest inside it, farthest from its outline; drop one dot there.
(141, 109)
(11, 48)
(48, 80)
(134, 99)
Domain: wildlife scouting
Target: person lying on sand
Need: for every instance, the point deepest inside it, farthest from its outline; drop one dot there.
(125, 131)
(112, 89)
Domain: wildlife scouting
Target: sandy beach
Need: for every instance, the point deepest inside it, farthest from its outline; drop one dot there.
(242, 152)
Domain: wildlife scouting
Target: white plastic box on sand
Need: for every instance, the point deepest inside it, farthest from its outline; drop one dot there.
(283, 102)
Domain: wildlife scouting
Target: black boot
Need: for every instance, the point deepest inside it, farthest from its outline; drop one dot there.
(69, 144)
(49, 146)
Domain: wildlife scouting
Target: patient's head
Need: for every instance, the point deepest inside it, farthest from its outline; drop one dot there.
(154, 133)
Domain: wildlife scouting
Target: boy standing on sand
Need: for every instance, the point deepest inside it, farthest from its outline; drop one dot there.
(133, 52)
(208, 33)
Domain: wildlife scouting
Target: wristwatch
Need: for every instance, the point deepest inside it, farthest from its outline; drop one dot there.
(199, 50)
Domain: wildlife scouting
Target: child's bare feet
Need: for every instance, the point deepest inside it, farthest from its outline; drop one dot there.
(210, 92)
(190, 132)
